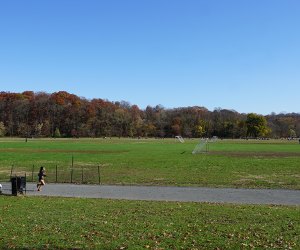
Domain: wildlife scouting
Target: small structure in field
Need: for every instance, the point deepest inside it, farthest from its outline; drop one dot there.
(179, 138)
(202, 146)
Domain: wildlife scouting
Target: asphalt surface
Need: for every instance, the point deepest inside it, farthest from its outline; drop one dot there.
(158, 193)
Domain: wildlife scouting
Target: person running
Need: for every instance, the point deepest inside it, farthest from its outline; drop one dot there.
(41, 175)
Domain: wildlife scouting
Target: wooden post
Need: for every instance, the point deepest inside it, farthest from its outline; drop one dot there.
(25, 183)
(56, 173)
(16, 184)
(71, 175)
(99, 174)
(81, 175)
(32, 173)
(72, 169)
(11, 170)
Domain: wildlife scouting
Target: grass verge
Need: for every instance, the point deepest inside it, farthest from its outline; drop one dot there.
(72, 223)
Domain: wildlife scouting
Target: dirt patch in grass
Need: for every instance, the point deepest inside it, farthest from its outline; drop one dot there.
(256, 154)
(23, 150)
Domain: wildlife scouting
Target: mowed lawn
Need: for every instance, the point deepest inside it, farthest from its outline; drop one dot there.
(229, 163)
(71, 223)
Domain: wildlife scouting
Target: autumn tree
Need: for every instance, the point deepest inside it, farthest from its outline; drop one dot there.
(57, 133)
(200, 128)
(292, 133)
(2, 129)
(43, 115)
(256, 125)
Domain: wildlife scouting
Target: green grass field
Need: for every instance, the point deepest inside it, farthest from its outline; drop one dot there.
(229, 163)
(70, 223)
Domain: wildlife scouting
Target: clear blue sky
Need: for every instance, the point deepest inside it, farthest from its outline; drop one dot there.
(242, 55)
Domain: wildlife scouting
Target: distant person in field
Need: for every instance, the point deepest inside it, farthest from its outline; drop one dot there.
(41, 175)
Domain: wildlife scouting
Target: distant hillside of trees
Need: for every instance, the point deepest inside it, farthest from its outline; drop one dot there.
(61, 114)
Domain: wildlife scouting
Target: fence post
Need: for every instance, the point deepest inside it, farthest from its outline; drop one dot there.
(99, 174)
(72, 168)
(81, 175)
(11, 170)
(25, 183)
(16, 185)
(71, 175)
(56, 173)
(32, 173)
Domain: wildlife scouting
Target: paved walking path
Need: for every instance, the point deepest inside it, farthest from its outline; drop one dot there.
(185, 194)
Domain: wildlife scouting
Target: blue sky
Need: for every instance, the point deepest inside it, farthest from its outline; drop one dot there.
(241, 55)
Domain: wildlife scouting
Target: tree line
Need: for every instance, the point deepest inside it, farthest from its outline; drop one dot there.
(62, 114)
